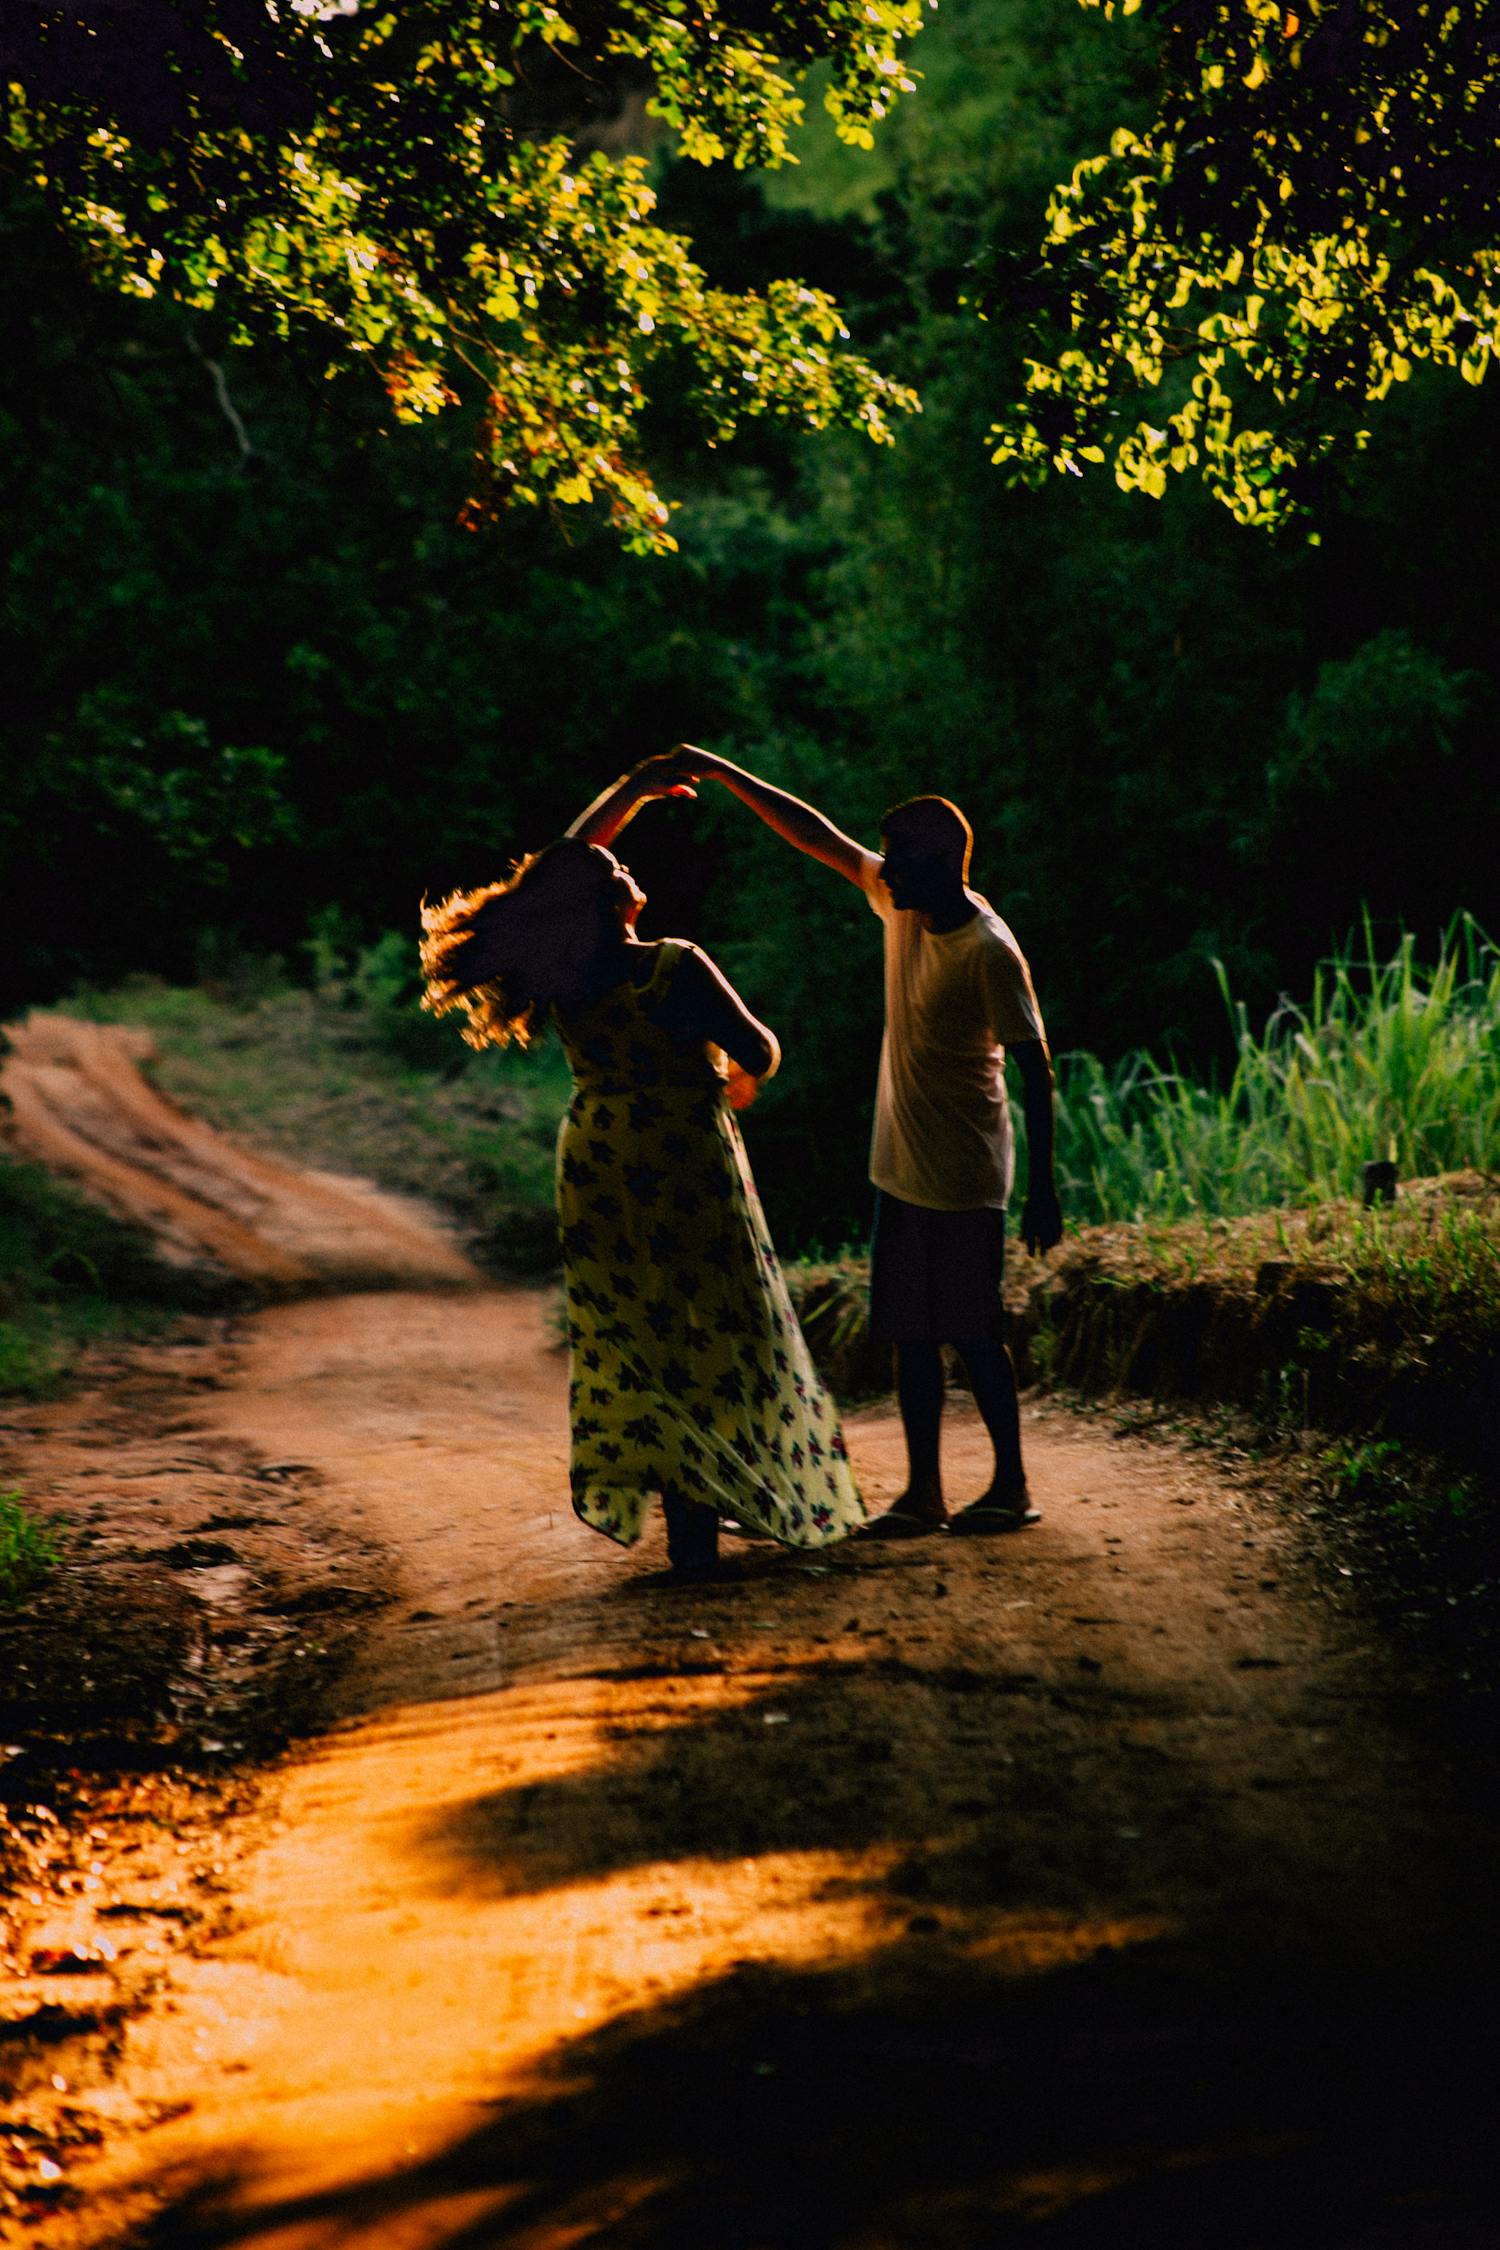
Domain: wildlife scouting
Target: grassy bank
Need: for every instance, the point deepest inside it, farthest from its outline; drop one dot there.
(1353, 1355)
(1358, 1352)
(1384, 1322)
(70, 1275)
(1378, 1327)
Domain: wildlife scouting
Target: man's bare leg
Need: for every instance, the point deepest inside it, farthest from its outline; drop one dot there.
(919, 1391)
(1005, 1504)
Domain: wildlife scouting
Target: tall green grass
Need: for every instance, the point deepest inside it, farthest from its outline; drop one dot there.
(1388, 1058)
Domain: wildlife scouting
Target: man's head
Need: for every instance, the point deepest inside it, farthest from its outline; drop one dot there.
(926, 843)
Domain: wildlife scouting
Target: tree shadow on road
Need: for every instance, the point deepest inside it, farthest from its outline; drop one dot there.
(1240, 2052)
(818, 1758)
(920, 2101)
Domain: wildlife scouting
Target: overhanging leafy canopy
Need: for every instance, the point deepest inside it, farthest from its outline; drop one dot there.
(1314, 209)
(430, 186)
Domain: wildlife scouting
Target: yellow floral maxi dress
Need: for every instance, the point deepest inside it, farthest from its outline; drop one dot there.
(689, 1371)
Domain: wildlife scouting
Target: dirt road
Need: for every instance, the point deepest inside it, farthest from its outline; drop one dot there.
(1079, 1889)
(78, 1102)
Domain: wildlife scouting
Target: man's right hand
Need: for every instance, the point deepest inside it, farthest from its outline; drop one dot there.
(676, 769)
(1041, 1220)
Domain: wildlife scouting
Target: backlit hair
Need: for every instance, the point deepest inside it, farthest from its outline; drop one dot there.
(500, 955)
(938, 822)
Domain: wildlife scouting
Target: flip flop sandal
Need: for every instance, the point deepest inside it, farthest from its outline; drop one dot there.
(898, 1523)
(978, 1522)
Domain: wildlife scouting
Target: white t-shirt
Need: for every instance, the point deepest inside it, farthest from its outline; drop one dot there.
(953, 999)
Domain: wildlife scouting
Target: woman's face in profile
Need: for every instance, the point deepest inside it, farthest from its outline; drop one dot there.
(623, 894)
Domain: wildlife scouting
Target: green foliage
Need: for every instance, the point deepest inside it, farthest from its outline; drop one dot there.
(1387, 1058)
(1312, 211)
(30, 1360)
(1373, 1471)
(424, 704)
(382, 985)
(30, 1550)
(428, 190)
(193, 796)
(52, 1240)
(1178, 745)
(1279, 213)
(68, 1272)
(1377, 723)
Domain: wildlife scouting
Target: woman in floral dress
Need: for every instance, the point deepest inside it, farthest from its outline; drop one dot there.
(690, 1376)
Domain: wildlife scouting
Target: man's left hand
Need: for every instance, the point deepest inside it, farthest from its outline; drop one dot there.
(1041, 1220)
(661, 776)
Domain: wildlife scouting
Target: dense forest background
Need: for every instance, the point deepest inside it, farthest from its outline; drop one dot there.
(263, 690)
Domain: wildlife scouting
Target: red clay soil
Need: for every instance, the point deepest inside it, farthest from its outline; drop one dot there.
(1085, 1888)
(79, 1103)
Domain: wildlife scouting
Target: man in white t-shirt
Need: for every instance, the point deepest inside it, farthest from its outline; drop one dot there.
(958, 995)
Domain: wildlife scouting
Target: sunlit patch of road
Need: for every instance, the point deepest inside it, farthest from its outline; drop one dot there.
(1063, 1830)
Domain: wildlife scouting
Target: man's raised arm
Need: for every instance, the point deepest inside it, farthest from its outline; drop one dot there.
(795, 822)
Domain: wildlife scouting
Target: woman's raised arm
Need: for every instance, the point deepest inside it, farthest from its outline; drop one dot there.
(601, 822)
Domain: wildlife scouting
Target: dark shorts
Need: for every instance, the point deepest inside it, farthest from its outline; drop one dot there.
(935, 1276)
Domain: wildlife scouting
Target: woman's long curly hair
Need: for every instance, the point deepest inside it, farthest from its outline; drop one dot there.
(501, 955)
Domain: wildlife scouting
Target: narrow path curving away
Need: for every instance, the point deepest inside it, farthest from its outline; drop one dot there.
(79, 1103)
(1074, 1889)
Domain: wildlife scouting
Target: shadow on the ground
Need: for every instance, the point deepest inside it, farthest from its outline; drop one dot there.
(984, 1784)
(819, 1757)
(918, 2101)
(1294, 2072)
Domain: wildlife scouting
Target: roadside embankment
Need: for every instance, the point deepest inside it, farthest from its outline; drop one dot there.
(1383, 1324)
(1355, 1353)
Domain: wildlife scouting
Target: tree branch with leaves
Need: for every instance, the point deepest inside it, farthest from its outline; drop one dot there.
(1313, 211)
(423, 188)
